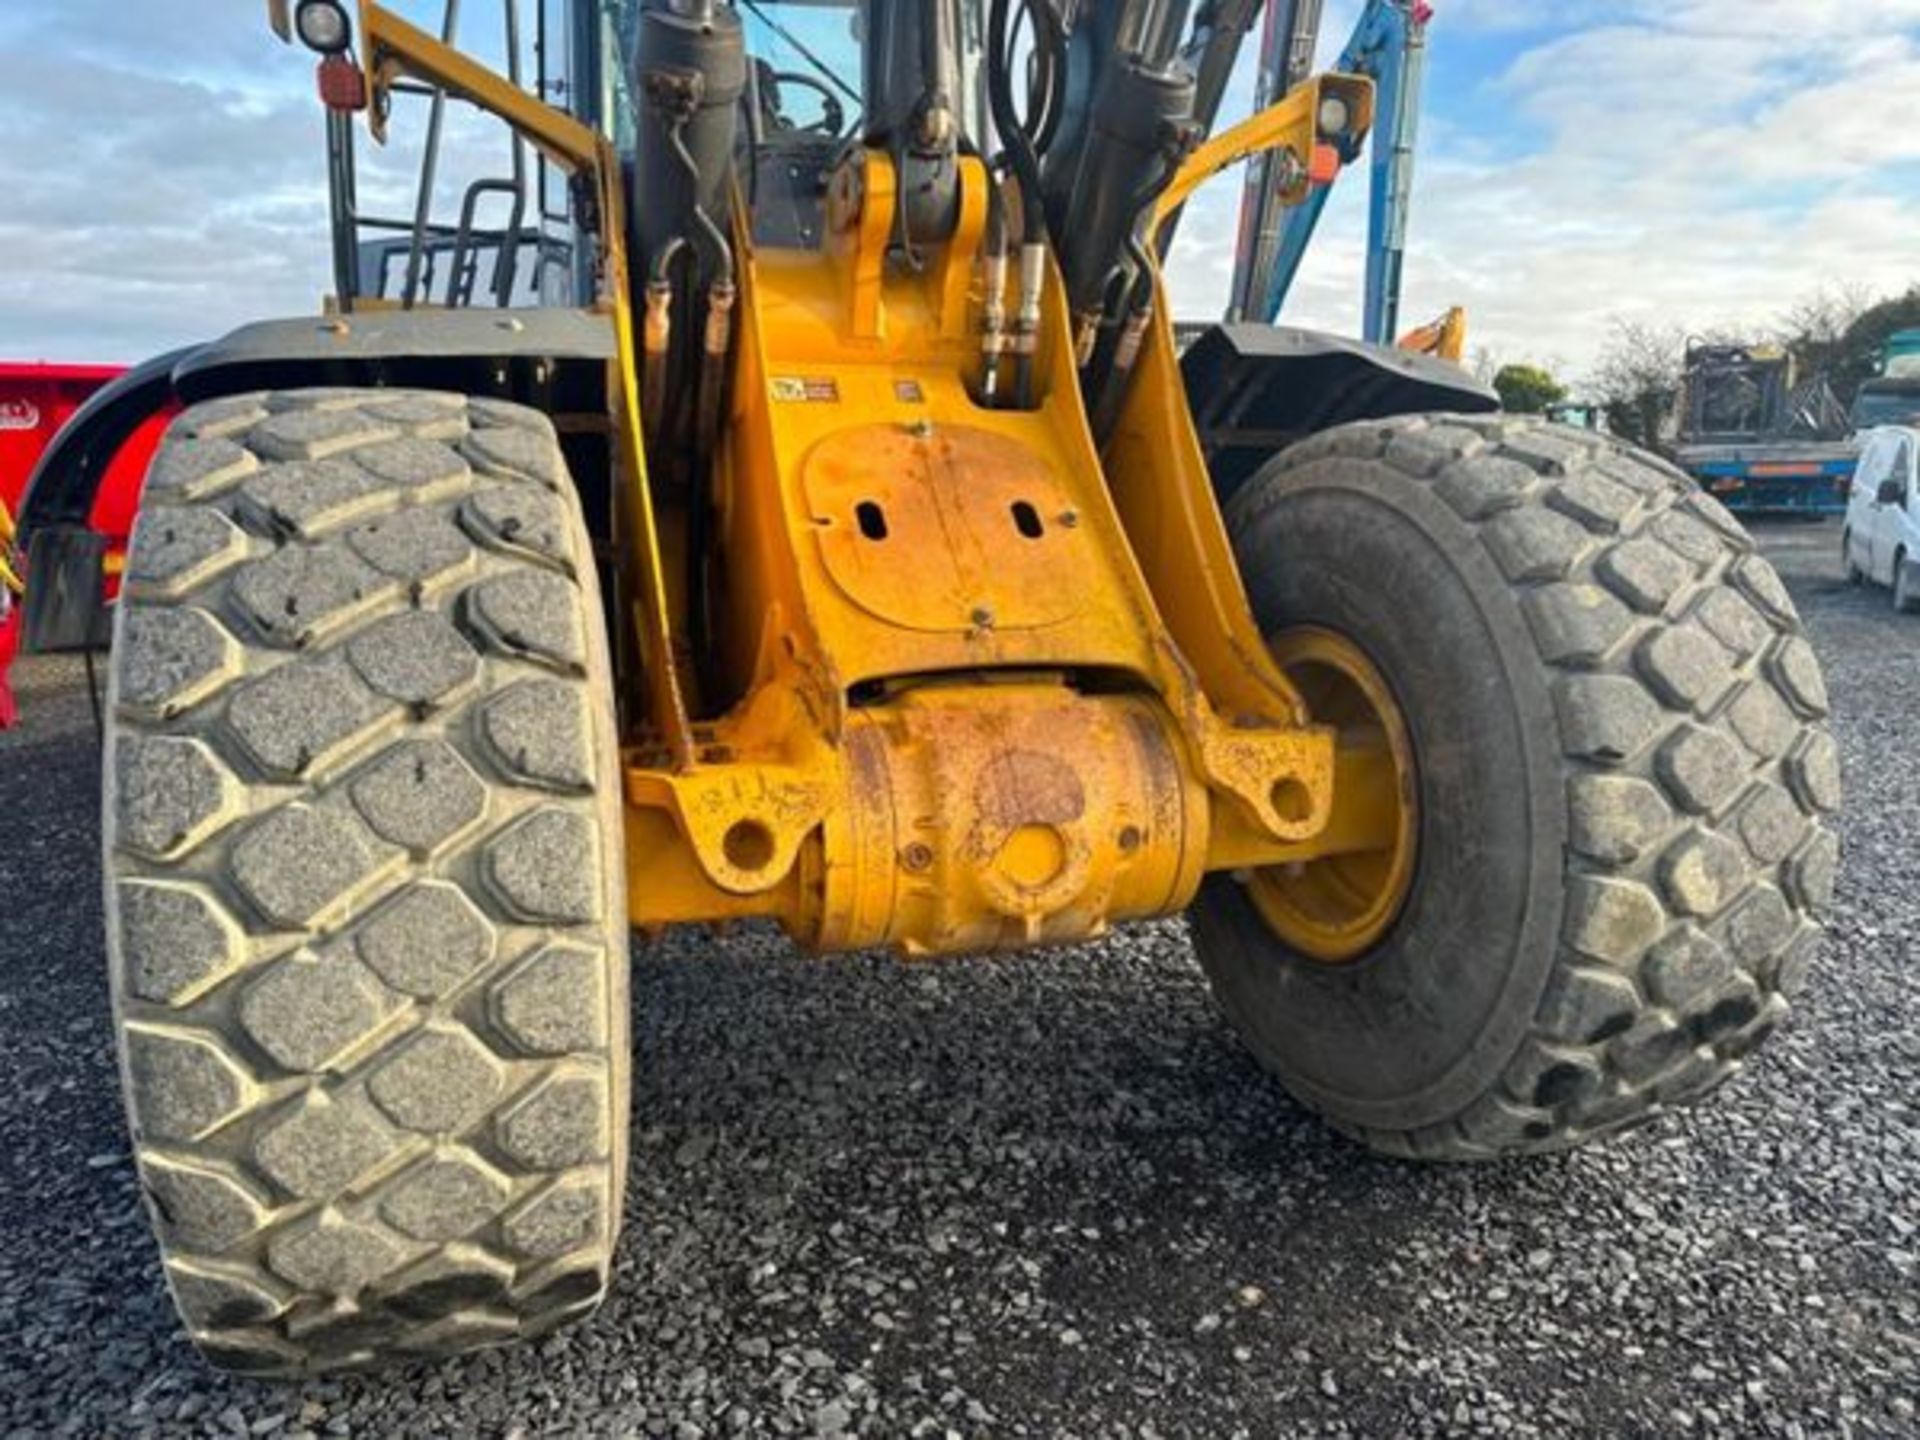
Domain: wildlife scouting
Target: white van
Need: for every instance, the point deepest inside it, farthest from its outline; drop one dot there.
(1882, 542)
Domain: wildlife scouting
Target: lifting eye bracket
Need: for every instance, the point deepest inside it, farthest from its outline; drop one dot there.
(1291, 125)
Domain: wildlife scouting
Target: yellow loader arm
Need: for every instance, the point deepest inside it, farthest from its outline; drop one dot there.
(1445, 338)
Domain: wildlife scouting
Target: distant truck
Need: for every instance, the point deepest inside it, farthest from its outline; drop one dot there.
(1758, 437)
(1893, 397)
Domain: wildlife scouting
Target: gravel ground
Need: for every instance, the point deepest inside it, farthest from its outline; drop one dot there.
(1051, 1196)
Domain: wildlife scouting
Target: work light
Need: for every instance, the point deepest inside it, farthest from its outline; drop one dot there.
(1335, 115)
(323, 26)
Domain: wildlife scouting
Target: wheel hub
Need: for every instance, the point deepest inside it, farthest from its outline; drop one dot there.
(1335, 910)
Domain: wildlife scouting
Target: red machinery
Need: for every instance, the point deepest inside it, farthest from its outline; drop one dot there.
(35, 402)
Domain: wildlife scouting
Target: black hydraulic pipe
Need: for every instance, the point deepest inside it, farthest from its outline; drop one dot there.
(1025, 162)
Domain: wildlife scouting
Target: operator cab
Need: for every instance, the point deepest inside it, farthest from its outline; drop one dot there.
(805, 106)
(810, 80)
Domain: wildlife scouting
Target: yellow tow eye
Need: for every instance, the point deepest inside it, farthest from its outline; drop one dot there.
(1335, 909)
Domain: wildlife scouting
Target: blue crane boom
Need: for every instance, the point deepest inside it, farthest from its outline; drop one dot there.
(1389, 46)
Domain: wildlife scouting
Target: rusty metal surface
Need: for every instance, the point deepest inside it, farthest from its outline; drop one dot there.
(987, 525)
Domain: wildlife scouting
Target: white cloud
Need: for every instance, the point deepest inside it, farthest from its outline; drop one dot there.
(164, 175)
(1703, 162)
(1696, 161)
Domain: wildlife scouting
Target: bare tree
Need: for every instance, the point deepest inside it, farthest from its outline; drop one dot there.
(1816, 329)
(1637, 379)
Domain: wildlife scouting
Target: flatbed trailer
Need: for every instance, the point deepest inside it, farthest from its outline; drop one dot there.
(1781, 478)
(1758, 436)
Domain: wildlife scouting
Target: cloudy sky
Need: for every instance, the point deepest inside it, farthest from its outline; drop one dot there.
(1695, 162)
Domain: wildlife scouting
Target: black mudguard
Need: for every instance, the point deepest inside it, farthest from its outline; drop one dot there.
(1256, 389)
(555, 360)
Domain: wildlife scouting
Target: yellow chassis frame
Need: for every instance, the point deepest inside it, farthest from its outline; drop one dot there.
(1196, 755)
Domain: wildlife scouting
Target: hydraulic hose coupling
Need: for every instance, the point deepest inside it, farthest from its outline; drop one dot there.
(657, 328)
(656, 340)
(1033, 280)
(993, 329)
(720, 302)
(1127, 354)
(1086, 337)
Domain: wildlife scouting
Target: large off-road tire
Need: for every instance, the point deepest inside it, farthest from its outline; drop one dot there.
(1623, 779)
(364, 884)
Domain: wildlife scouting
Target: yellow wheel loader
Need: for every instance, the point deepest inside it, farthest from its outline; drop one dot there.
(778, 496)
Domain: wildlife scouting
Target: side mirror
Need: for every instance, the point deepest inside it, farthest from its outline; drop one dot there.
(1892, 492)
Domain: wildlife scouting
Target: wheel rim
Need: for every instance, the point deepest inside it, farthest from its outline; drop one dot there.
(1336, 909)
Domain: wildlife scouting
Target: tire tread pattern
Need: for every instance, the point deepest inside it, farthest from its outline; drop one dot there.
(1701, 777)
(369, 976)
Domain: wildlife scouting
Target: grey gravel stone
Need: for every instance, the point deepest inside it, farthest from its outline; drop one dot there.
(934, 1143)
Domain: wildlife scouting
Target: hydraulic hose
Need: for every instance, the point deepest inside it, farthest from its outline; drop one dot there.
(1046, 105)
(716, 260)
(993, 329)
(1025, 163)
